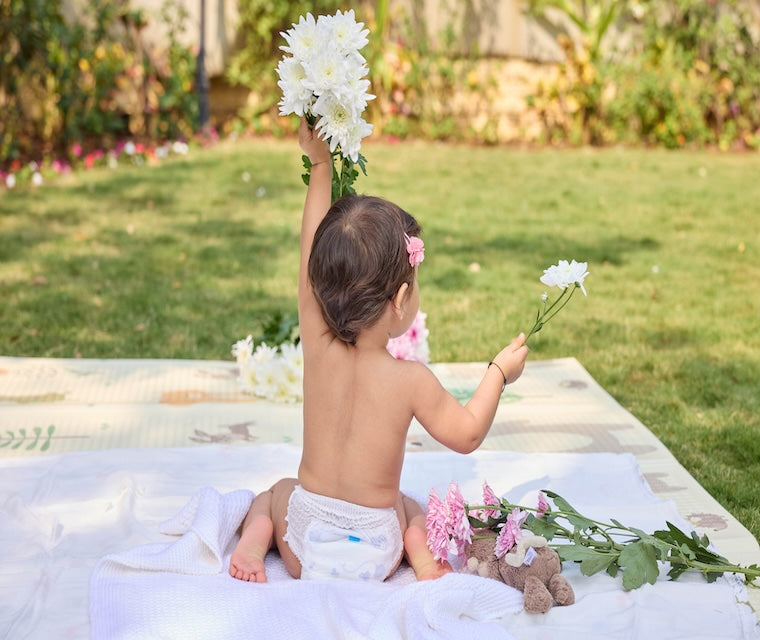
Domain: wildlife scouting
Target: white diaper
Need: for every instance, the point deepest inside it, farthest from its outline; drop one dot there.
(337, 539)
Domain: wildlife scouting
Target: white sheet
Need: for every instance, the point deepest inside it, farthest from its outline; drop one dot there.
(60, 514)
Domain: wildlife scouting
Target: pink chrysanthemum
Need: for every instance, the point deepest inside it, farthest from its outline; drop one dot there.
(448, 527)
(436, 524)
(489, 498)
(543, 505)
(459, 526)
(510, 533)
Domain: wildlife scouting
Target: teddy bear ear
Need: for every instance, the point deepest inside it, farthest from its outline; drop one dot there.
(534, 541)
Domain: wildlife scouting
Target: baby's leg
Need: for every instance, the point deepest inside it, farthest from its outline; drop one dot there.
(247, 561)
(418, 553)
(280, 497)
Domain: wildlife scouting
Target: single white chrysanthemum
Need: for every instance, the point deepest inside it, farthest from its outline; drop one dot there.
(351, 142)
(243, 349)
(264, 354)
(326, 72)
(304, 39)
(346, 32)
(573, 272)
(267, 378)
(354, 92)
(292, 355)
(296, 98)
(565, 273)
(335, 122)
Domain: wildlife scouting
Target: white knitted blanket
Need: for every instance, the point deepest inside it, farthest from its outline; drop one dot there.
(181, 589)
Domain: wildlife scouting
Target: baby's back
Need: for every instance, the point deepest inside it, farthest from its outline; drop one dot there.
(357, 411)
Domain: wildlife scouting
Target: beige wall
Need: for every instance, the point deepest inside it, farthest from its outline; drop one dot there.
(497, 26)
(221, 28)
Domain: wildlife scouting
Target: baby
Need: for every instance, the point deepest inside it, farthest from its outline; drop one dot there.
(344, 515)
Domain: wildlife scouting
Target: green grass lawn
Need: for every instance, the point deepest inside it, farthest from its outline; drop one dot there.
(181, 260)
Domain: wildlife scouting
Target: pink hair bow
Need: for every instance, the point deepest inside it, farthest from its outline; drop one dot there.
(416, 249)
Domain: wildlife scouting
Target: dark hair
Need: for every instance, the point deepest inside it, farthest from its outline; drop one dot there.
(358, 262)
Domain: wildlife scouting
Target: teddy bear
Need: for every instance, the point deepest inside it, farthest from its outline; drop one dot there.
(530, 566)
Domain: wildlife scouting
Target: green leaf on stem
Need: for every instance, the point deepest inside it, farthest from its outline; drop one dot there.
(575, 518)
(639, 563)
(306, 165)
(598, 563)
(362, 162)
(477, 523)
(676, 570)
(576, 552)
(541, 526)
(662, 547)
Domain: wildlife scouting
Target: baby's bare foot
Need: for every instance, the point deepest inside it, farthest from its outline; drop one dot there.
(248, 568)
(247, 561)
(434, 570)
(425, 566)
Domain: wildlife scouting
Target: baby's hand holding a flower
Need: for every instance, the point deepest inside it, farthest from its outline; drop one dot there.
(316, 149)
(511, 359)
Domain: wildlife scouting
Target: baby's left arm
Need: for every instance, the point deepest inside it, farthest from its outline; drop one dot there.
(318, 201)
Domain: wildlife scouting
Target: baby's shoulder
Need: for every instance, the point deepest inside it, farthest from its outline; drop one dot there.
(410, 374)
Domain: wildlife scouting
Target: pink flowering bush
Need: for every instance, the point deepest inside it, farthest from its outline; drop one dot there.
(125, 152)
(597, 546)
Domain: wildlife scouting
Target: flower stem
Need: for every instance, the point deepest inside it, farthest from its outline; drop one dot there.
(545, 316)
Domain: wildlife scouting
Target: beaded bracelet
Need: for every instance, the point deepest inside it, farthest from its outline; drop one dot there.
(504, 386)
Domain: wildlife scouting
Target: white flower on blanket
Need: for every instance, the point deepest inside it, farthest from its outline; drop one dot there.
(273, 373)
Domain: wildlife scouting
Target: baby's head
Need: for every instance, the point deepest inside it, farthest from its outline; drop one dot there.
(359, 261)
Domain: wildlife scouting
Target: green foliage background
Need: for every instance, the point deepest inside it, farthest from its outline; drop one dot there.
(89, 82)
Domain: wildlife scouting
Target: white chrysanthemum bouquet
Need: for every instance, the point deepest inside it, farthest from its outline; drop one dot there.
(273, 373)
(322, 77)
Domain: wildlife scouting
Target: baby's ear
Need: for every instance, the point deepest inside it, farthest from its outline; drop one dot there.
(398, 300)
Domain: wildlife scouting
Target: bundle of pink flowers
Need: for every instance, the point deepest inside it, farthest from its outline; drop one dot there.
(450, 530)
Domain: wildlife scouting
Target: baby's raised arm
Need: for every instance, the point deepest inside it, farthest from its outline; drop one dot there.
(318, 201)
(463, 428)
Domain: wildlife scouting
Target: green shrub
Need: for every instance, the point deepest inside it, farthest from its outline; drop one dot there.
(656, 102)
(89, 82)
(690, 77)
(695, 78)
